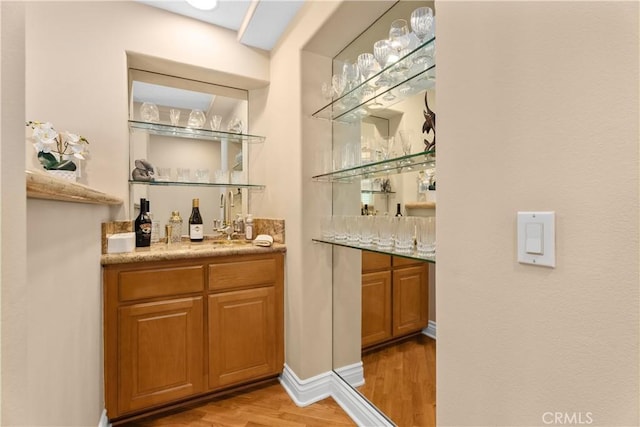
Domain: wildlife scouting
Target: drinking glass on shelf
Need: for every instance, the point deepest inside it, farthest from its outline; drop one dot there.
(366, 62)
(422, 26)
(163, 174)
(426, 235)
(385, 232)
(352, 228)
(326, 227)
(202, 175)
(407, 136)
(351, 74)
(235, 125)
(399, 35)
(149, 112)
(327, 91)
(381, 51)
(196, 119)
(339, 231)
(221, 177)
(174, 116)
(404, 234)
(184, 174)
(338, 83)
(366, 230)
(215, 122)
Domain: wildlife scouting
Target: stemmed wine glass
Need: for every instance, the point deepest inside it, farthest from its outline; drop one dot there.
(399, 40)
(422, 25)
(381, 51)
(366, 62)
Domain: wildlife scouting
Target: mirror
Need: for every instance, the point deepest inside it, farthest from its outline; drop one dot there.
(398, 362)
(185, 168)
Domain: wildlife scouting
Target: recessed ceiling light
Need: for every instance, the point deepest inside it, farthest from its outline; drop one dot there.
(203, 4)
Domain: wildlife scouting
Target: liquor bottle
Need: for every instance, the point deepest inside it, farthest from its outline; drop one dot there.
(398, 213)
(143, 226)
(196, 229)
(365, 210)
(176, 227)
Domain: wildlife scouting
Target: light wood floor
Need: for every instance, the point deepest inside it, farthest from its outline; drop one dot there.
(401, 381)
(265, 406)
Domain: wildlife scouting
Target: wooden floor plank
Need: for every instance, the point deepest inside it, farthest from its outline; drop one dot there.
(268, 406)
(401, 381)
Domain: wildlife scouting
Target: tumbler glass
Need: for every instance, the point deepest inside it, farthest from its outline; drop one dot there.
(339, 228)
(366, 230)
(326, 227)
(352, 224)
(385, 232)
(404, 234)
(426, 235)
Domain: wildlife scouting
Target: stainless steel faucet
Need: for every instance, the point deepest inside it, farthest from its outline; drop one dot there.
(226, 203)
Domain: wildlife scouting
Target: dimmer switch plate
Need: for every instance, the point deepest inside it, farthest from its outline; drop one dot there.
(537, 238)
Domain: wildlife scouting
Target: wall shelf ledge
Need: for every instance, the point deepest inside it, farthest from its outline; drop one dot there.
(43, 186)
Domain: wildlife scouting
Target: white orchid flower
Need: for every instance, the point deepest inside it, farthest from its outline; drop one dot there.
(45, 146)
(71, 138)
(42, 133)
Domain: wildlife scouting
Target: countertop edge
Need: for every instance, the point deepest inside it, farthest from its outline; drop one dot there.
(42, 186)
(186, 252)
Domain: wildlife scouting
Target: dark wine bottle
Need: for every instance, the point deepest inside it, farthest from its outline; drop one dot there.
(398, 213)
(196, 229)
(143, 226)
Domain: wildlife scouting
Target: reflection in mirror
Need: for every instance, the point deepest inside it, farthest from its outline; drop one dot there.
(179, 162)
(396, 296)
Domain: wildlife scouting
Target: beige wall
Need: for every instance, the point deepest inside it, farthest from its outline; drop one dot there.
(76, 78)
(13, 248)
(538, 101)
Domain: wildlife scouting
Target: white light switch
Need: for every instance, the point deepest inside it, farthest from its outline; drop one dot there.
(536, 238)
(533, 238)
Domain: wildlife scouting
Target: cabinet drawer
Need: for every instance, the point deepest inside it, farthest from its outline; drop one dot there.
(401, 262)
(160, 282)
(242, 274)
(374, 261)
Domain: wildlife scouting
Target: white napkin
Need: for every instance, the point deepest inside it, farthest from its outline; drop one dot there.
(263, 240)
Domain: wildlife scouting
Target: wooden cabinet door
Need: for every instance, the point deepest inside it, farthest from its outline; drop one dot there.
(243, 336)
(160, 352)
(410, 299)
(376, 307)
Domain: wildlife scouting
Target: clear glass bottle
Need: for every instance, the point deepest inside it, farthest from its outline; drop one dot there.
(176, 227)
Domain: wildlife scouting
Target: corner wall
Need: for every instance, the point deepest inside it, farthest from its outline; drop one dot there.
(76, 77)
(538, 110)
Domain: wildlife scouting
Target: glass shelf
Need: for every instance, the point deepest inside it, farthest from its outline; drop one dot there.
(411, 162)
(193, 133)
(407, 77)
(197, 184)
(376, 192)
(413, 254)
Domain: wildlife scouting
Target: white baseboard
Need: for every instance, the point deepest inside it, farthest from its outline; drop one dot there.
(352, 374)
(361, 411)
(329, 384)
(430, 330)
(306, 392)
(104, 421)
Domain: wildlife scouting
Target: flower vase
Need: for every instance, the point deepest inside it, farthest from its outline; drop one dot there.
(61, 174)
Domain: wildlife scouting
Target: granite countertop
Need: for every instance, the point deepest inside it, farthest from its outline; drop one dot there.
(164, 252)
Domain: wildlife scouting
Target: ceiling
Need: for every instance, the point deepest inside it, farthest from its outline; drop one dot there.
(258, 23)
